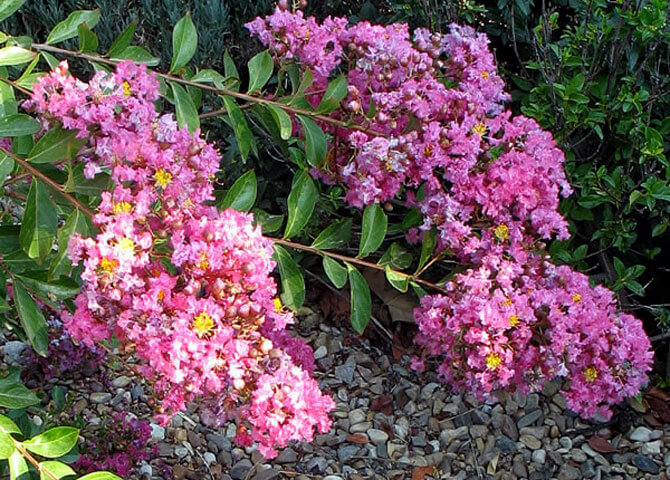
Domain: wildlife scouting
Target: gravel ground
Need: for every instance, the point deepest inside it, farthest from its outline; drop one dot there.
(391, 423)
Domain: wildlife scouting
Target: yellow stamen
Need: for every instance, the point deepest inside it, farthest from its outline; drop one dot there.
(126, 245)
(590, 374)
(163, 178)
(204, 261)
(161, 295)
(428, 151)
(126, 89)
(203, 324)
(507, 303)
(485, 75)
(122, 207)
(278, 305)
(480, 128)
(493, 360)
(108, 265)
(576, 297)
(513, 320)
(501, 232)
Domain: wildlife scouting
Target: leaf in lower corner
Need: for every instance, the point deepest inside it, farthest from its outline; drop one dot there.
(54, 442)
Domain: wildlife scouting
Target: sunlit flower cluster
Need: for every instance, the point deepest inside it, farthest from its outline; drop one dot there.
(187, 286)
(434, 132)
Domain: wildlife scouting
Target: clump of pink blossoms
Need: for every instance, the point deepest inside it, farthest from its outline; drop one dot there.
(187, 286)
(488, 183)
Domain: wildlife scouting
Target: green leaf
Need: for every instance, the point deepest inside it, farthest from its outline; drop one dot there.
(122, 41)
(184, 42)
(56, 145)
(100, 476)
(187, 114)
(137, 55)
(40, 222)
(8, 7)
(398, 280)
(230, 70)
(54, 442)
(58, 289)
(396, 256)
(316, 144)
(301, 202)
(13, 394)
(269, 223)
(283, 120)
(18, 125)
(88, 41)
(7, 427)
(305, 83)
(373, 231)
(240, 126)
(292, 281)
(361, 302)
(335, 272)
(260, 71)
(18, 468)
(68, 27)
(334, 236)
(15, 55)
(337, 90)
(57, 469)
(242, 195)
(8, 105)
(428, 244)
(32, 319)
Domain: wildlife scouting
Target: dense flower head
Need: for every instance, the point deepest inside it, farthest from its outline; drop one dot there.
(434, 132)
(186, 285)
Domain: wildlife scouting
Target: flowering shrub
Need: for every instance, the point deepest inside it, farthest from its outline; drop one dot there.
(186, 285)
(489, 183)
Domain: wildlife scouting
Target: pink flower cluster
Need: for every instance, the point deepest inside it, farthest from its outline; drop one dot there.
(187, 286)
(436, 133)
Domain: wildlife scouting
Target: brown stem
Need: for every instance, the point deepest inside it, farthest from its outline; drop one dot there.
(357, 261)
(219, 91)
(17, 86)
(56, 186)
(19, 446)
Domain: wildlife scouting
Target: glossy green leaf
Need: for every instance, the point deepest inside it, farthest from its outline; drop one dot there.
(40, 222)
(15, 55)
(13, 394)
(361, 301)
(373, 230)
(100, 476)
(68, 27)
(398, 280)
(56, 145)
(136, 54)
(301, 202)
(123, 41)
(269, 223)
(58, 289)
(18, 468)
(334, 236)
(240, 126)
(8, 105)
(56, 469)
(88, 41)
(18, 125)
(396, 256)
(336, 91)
(260, 71)
(184, 42)
(428, 244)
(283, 120)
(242, 195)
(7, 427)
(76, 223)
(54, 442)
(335, 271)
(316, 144)
(305, 83)
(230, 70)
(292, 281)
(187, 114)
(8, 7)
(32, 319)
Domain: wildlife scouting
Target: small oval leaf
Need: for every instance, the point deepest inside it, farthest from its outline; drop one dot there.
(361, 301)
(373, 231)
(292, 281)
(301, 202)
(242, 195)
(53, 443)
(184, 42)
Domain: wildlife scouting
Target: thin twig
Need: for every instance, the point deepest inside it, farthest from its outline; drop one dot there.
(40, 468)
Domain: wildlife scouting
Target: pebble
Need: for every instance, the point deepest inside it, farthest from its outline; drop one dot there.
(121, 382)
(317, 465)
(101, 397)
(529, 419)
(568, 472)
(377, 436)
(651, 448)
(267, 474)
(209, 458)
(345, 452)
(240, 469)
(645, 464)
(530, 441)
(320, 352)
(641, 434)
(288, 455)
(539, 456)
(345, 373)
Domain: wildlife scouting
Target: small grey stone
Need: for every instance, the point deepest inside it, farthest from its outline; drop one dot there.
(418, 441)
(288, 455)
(267, 474)
(15, 352)
(345, 373)
(530, 441)
(377, 436)
(509, 429)
(320, 352)
(645, 464)
(588, 470)
(532, 402)
(622, 458)
(356, 416)
(146, 469)
(651, 448)
(539, 456)
(121, 382)
(565, 442)
(666, 459)
(568, 472)
(345, 452)
(641, 434)
(137, 392)
(478, 431)
(180, 451)
(519, 469)
(332, 477)
(317, 465)
(505, 444)
(240, 469)
(449, 435)
(209, 458)
(101, 397)
(529, 419)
